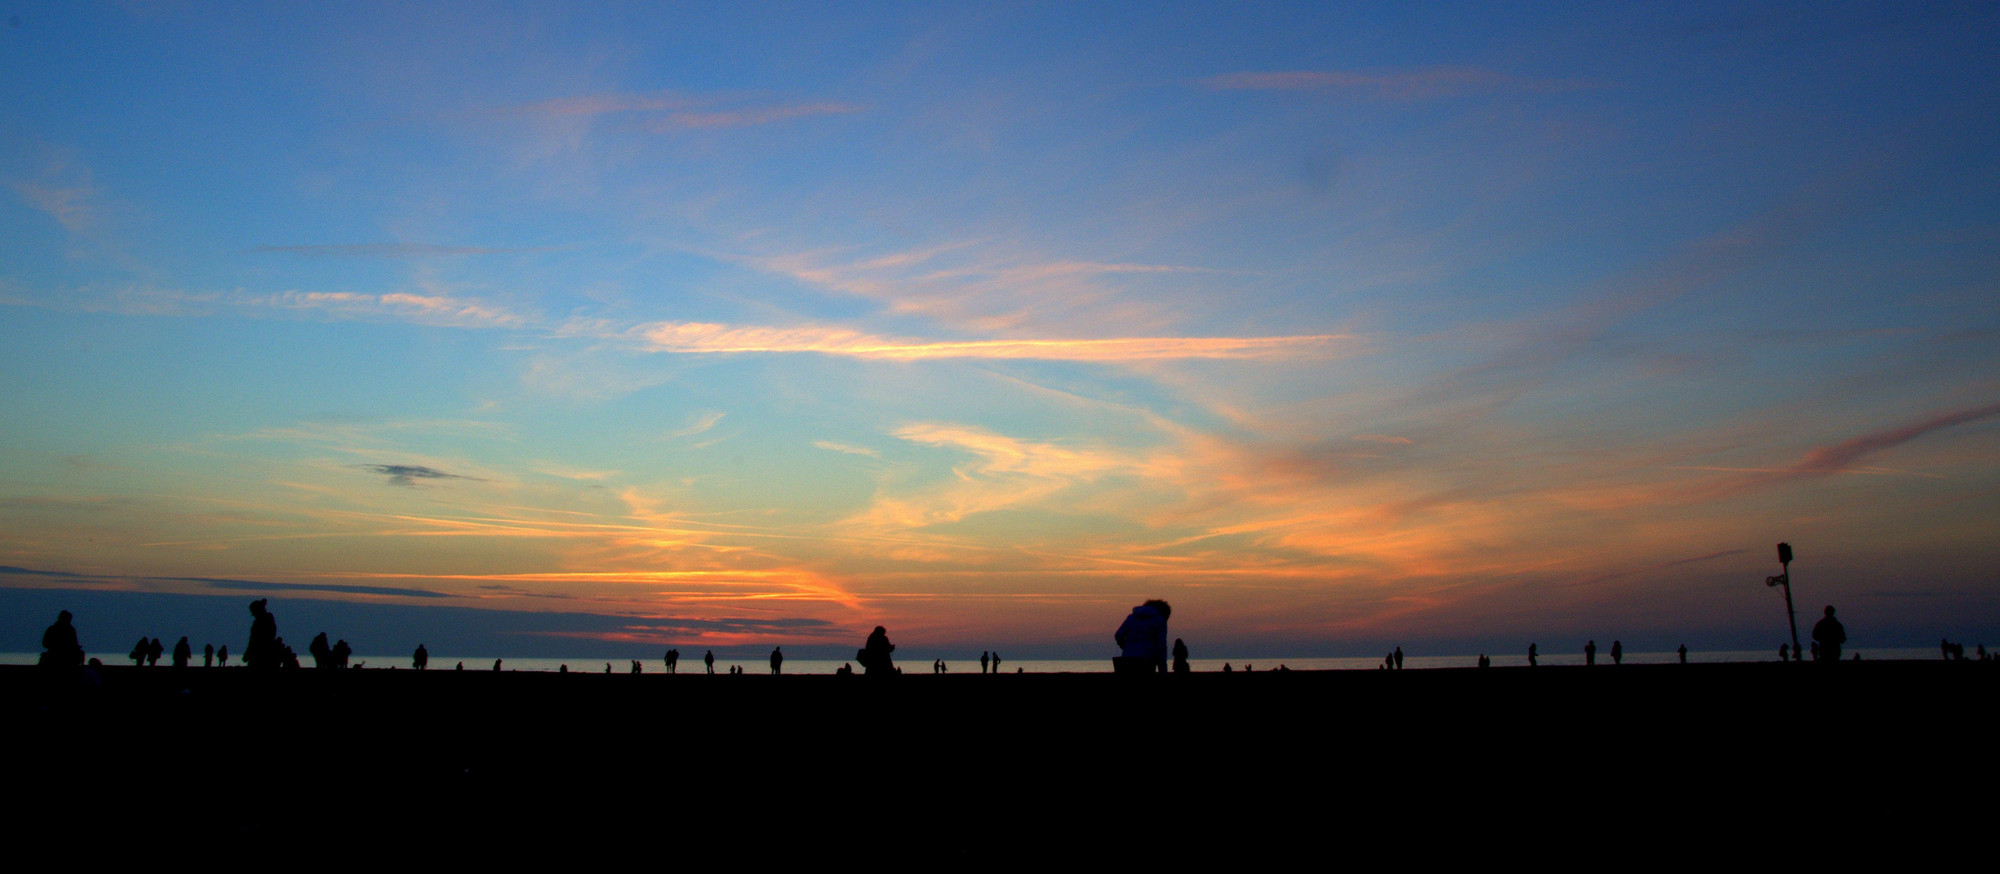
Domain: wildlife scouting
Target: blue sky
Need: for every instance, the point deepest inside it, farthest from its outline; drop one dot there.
(1334, 325)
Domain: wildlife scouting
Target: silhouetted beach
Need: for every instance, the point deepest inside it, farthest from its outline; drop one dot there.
(480, 749)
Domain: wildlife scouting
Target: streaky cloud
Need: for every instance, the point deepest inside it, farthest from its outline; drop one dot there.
(1423, 83)
(408, 474)
(1847, 455)
(385, 250)
(712, 338)
(261, 586)
(729, 118)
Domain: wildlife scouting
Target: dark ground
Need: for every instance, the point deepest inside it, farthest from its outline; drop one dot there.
(1551, 763)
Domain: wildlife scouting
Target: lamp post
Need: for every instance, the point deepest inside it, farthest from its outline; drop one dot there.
(1785, 579)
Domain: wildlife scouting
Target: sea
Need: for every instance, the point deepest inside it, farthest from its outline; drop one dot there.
(918, 663)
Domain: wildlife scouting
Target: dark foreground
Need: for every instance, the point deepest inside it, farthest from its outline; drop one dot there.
(1459, 765)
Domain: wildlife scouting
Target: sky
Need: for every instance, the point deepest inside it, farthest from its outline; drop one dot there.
(593, 328)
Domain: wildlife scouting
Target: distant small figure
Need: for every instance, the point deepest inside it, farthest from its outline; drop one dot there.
(153, 652)
(562, 669)
(1388, 661)
(341, 653)
(1944, 647)
(222, 656)
(777, 660)
(208, 655)
(496, 664)
(1142, 639)
(1531, 655)
(1784, 652)
(1590, 653)
(1180, 657)
(422, 659)
(985, 661)
(874, 655)
(138, 653)
(59, 646)
(845, 669)
(635, 667)
(1226, 668)
(673, 660)
(709, 660)
(1483, 662)
(183, 652)
(322, 654)
(1617, 653)
(1828, 635)
(1684, 653)
(937, 666)
(461, 667)
(1398, 656)
(996, 662)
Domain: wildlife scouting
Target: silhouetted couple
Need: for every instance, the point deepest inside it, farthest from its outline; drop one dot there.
(1142, 640)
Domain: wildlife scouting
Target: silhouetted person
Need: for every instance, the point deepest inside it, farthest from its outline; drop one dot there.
(777, 660)
(138, 653)
(1226, 668)
(1398, 656)
(1828, 635)
(208, 655)
(222, 655)
(709, 660)
(562, 669)
(341, 653)
(322, 654)
(1590, 653)
(985, 661)
(874, 655)
(1617, 653)
(1684, 653)
(635, 667)
(1180, 656)
(1944, 647)
(422, 659)
(1142, 639)
(59, 646)
(1784, 652)
(461, 667)
(996, 661)
(153, 652)
(673, 659)
(183, 652)
(496, 664)
(607, 669)
(1531, 655)
(262, 651)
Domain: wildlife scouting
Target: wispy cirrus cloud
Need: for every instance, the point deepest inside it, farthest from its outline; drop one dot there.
(446, 310)
(728, 118)
(668, 111)
(1846, 456)
(406, 475)
(1421, 83)
(386, 250)
(712, 338)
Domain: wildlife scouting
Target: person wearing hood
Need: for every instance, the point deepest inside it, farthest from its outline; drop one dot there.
(1142, 640)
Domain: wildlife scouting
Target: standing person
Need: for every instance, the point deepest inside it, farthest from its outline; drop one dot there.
(422, 658)
(59, 646)
(1531, 655)
(262, 651)
(777, 660)
(1827, 637)
(985, 661)
(996, 661)
(1142, 639)
(208, 655)
(1684, 653)
(1180, 656)
(709, 660)
(1590, 653)
(153, 652)
(182, 653)
(222, 655)
(874, 655)
(1617, 653)
(1399, 658)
